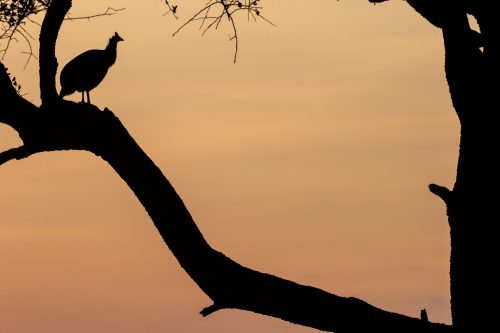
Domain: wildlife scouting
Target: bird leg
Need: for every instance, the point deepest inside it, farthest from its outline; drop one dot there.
(88, 97)
(83, 101)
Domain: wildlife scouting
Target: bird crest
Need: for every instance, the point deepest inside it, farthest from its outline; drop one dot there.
(116, 38)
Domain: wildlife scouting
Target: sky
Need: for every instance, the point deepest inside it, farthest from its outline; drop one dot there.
(308, 158)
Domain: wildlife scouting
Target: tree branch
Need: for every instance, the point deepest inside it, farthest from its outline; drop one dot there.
(211, 309)
(7, 90)
(17, 153)
(441, 192)
(48, 61)
(14, 110)
(434, 11)
(227, 283)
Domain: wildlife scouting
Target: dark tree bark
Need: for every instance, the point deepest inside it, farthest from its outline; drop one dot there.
(472, 62)
(471, 205)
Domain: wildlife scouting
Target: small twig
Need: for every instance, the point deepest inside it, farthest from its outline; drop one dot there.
(109, 12)
(171, 9)
(235, 36)
(13, 24)
(423, 316)
(14, 17)
(17, 153)
(194, 17)
(441, 192)
(211, 309)
(227, 8)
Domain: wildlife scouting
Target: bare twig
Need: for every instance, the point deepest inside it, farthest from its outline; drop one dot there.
(14, 15)
(228, 9)
(108, 12)
(18, 17)
(171, 9)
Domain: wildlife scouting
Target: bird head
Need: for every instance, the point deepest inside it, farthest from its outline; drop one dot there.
(116, 38)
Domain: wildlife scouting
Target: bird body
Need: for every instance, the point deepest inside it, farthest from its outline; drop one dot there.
(88, 69)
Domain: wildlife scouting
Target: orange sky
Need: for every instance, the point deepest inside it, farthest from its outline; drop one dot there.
(308, 159)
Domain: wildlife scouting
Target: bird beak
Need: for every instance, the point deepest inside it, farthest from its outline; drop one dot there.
(118, 37)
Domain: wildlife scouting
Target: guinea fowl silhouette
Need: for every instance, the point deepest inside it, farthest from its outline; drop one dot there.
(87, 70)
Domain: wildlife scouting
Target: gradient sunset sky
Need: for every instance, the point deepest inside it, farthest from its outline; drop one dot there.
(308, 159)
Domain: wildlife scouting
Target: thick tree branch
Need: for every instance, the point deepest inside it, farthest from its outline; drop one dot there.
(434, 11)
(465, 68)
(48, 62)
(7, 90)
(486, 14)
(71, 126)
(226, 282)
(14, 110)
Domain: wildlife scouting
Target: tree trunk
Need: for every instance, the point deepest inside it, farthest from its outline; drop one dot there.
(473, 206)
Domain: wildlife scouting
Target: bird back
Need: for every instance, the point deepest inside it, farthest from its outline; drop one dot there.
(84, 72)
(88, 69)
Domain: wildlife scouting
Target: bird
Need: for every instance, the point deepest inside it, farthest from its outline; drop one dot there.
(88, 69)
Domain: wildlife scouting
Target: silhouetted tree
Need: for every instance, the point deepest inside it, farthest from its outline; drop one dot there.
(472, 69)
